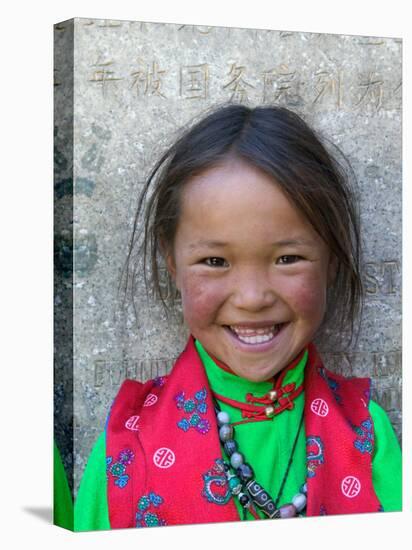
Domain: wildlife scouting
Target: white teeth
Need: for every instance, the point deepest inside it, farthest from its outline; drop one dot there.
(255, 336)
(256, 339)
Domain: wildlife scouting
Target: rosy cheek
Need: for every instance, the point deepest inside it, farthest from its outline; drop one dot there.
(200, 301)
(309, 297)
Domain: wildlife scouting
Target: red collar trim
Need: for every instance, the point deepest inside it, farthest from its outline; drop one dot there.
(284, 400)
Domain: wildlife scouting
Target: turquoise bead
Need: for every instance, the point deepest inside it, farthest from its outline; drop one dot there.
(234, 485)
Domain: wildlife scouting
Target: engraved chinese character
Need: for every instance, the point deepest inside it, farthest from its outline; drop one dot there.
(196, 28)
(194, 80)
(104, 76)
(281, 86)
(148, 81)
(238, 85)
(328, 85)
(372, 91)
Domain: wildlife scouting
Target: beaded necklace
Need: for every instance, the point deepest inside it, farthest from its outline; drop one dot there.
(242, 482)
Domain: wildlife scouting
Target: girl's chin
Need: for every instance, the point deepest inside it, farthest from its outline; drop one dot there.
(255, 374)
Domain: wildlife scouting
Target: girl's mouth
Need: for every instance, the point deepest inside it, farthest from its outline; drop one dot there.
(253, 336)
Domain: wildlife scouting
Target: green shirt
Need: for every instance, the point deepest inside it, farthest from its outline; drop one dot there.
(256, 440)
(62, 498)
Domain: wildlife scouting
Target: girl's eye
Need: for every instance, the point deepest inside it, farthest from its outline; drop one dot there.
(286, 260)
(215, 262)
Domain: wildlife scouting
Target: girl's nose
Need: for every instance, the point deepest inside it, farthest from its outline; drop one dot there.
(253, 291)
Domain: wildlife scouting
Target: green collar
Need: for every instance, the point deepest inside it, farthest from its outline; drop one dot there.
(230, 385)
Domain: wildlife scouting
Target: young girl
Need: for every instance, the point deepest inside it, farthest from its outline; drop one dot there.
(256, 224)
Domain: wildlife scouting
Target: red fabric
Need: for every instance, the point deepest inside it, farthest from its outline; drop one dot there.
(163, 449)
(339, 439)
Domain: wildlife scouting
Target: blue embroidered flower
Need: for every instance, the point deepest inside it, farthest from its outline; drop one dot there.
(189, 406)
(202, 408)
(183, 424)
(118, 469)
(180, 400)
(194, 419)
(122, 481)
(198, 407)
(145, 516)
(156, 500)
(364, 442)
(201, 395)
(144, 503)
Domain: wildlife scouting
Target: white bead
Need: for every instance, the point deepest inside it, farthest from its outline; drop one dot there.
(299, 502)
(223, 418)
(236, 460)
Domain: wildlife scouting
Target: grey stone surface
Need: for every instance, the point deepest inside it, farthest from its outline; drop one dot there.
(134, 85)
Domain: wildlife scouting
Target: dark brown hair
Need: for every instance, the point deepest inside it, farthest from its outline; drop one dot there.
(280, 143)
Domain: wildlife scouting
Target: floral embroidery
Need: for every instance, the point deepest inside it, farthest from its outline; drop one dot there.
(126, 457)
(216, 488)
(145, 515)
(118, 469)
(159, 381)
(195, 407)
(364, 443)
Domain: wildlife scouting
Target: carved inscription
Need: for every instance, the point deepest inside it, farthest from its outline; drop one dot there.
(282, 84)
(377, 364)
(371, 91)
(196, 29)
(382, 278)
(238, 84)
(104, 75)
(111, 373)
(328, 86)
(194, 81)
(147, 80)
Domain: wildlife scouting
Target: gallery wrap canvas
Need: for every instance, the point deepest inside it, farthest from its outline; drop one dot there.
(124, 93)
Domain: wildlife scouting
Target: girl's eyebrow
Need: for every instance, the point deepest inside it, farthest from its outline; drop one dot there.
(292, 242)
(203, 243)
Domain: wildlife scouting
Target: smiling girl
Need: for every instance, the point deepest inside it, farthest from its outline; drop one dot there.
(257, 226)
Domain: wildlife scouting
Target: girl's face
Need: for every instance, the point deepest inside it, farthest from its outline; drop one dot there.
(251, 270)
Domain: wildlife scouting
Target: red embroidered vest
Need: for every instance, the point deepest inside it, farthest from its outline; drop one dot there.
(164, 462)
